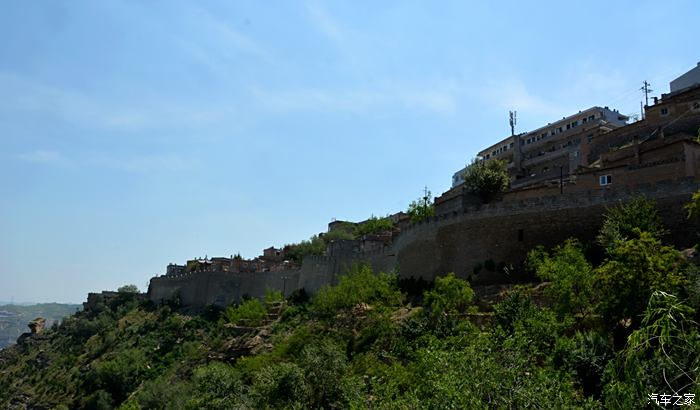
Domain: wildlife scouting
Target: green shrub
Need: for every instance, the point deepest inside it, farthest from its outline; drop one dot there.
(359, 285)
(374, 225)
(281, 385)
(636, 268)
(249, 313)
(273, 296)
(450, 296)
(217, 386)
(324, 365)
(585, 355)
(570, 276)
(621, 222)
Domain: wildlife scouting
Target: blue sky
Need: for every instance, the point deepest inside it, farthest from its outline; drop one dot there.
(134, 134)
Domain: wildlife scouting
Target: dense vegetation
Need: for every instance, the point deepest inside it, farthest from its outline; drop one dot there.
(601, 332)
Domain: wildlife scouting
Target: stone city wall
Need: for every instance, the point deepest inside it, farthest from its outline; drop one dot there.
(502, 232)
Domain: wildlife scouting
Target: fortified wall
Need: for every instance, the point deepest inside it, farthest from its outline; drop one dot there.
(465, 239)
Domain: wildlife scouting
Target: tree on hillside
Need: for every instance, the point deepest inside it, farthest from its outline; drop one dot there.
(128, 289)
(316, 245)
(374, 224)
(570, 276)
(421, 208)
(486, 178)
(636, 268)
(621, 222)
(451, 296)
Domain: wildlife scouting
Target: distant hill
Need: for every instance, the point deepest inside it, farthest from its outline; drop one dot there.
(14, 318)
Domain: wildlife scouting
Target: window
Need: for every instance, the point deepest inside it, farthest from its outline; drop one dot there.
(591, 117)
(568, 126)
(695, 106)
(605, 180)
(521, 235)
(590, 138)
(584, 120)
(574, 124)
(664, 112)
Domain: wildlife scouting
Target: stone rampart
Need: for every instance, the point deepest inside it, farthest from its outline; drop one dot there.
(500, 232)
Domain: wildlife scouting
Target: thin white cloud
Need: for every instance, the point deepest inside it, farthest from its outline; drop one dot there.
(23, 94)
(218, 50)
(159, 162)
(236, 39)
(47, 157)
(326, 24)
(435, 100)
(512, 94)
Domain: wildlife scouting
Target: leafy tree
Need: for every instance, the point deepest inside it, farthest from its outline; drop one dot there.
(217, 386)
(359, 285)
(374, 225)
(661, 356)
(324, 365)
(422, 208)
(346, 231)
(586, 355)
(314, 246)
(486, 178)
(451, 296)
(693, 208)
(280, 385)
(514, 307)
(620, 222)
(161, 394)
(249, 313)
(570, 276)
(128, 289)
(636, 268)
(121, 375)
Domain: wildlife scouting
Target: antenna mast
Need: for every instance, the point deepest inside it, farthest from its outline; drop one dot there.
(513, 121)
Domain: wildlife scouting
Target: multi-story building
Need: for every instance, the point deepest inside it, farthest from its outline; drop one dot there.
(553, 150)
(595, 149)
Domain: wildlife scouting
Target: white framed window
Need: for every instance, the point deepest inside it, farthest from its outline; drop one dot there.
(664, 111)
(605, 180)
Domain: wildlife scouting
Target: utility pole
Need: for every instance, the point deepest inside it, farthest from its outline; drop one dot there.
(645, 88)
